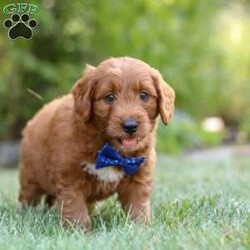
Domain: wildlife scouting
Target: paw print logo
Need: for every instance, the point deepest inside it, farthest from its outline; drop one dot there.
(20, 26)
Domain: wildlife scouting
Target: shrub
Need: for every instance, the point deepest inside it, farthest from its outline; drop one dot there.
(184, 133)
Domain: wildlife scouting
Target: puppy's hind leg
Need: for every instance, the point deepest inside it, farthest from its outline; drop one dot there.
(30, 192)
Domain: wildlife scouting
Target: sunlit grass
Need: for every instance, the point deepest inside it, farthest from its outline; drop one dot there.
(196, 205)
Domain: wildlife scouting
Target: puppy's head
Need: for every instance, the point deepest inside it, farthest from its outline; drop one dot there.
(123, 97)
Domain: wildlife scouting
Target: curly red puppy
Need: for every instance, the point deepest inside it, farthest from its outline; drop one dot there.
(116, 102)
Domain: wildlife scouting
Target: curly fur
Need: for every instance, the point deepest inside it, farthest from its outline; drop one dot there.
(60, 143)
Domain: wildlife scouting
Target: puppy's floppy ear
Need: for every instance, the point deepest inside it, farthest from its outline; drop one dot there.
(166, 97)
(82, 92)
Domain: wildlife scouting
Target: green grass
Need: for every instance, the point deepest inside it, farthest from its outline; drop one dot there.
(196, 205)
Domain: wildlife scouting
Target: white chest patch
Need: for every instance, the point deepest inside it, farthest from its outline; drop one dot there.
(107, 174)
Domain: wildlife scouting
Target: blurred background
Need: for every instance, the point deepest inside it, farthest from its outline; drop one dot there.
(200, 47)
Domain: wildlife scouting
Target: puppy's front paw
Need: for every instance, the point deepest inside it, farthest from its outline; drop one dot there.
(81, 223)
(140, 214)
(73, 210)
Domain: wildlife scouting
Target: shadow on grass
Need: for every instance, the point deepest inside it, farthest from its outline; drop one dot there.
(216, 211)
(46, 221)
(39, 220)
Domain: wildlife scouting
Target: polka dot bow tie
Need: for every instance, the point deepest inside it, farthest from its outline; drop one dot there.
(108, 156)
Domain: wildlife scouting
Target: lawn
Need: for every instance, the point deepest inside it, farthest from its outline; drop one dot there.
(196, 205)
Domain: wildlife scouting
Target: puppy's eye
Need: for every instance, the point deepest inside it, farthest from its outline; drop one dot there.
(144, 96)
(110, 98)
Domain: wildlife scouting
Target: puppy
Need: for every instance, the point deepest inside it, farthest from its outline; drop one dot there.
(117, 102)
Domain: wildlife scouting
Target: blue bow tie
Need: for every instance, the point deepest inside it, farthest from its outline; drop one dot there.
(108, 156)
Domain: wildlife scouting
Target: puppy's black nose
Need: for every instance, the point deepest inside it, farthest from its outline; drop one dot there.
(130, 126)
